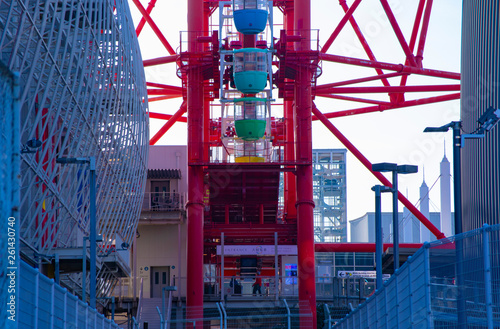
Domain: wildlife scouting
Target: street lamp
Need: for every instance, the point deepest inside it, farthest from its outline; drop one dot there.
(487, 121)
(379, 189)
(93, 236)
(395, 169)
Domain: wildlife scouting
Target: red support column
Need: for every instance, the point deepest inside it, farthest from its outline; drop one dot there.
(290, 193)
(194, 294)
(305, 203)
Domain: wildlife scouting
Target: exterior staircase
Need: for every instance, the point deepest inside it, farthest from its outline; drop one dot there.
(148, 313)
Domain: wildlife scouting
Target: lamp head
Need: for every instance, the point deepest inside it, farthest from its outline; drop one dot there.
(407, 169)
(436, 129)
(31, 146)
(384, 167)
(489, 118)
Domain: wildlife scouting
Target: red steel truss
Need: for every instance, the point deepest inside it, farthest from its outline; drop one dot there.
(296, 75)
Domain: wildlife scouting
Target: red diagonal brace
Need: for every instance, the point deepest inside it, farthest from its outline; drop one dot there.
(389, 66)
(399, 34)
(163, 116)
(390, 89)
(339, 27)
(379, 176)
(381, 108)
(168, 124)
(155, 28)
(160, 60)
(423, 32)
(142, 22)
(363, 41)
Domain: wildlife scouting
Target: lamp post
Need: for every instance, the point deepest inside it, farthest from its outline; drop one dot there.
(395, 169)
(93, 237)
(486, 122)
(379, 189)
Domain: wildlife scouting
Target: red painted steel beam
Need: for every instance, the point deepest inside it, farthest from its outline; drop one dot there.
(381, 108)
(360, 80)
(340, 26)
(389, 89)
(162, 116)
(168, 124)
(363, 41)
(399, 33)
(161, 85)
(378, 175)
(423, 32)
(354, 99)
(413, 38)
(388, 66)
(142, 22)
(161, 98)
(359, 247)
(305, 203)
(195, 205)
(155, 28)
(166, 92)
(160, 60)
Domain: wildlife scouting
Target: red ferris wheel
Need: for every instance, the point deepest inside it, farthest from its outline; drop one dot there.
(260, 132)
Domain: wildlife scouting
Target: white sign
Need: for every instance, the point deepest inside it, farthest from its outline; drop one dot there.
(360, 274)
(260, 250)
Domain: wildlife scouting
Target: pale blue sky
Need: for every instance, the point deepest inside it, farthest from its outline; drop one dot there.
(392, 136)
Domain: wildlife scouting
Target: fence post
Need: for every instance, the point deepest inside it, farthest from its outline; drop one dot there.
(386, 314)
(410, 289)
(327, 312)
(225, 315)
(52, 304)
(220, 313)
(427, 273)
(37, 292)
(487, 275)
(288, 314)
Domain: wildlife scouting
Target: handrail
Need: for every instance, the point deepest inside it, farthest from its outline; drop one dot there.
(220, 312)
(139, 304)
(225, 315)
(328, 316)
(288, 314)
(161, 318)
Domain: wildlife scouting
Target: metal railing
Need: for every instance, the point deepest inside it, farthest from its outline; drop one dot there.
(338, 292)
(44, 304)
(163, 201)
(425, 292)
(261, 315)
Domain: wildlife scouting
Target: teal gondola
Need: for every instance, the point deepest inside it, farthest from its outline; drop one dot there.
(250, 70)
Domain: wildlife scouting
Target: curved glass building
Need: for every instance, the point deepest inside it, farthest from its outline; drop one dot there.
(83, 94)
(480, 90)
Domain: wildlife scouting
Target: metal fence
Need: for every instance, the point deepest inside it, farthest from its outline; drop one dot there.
(450, 283)
(44, 304)
(9, 196)
(262, 315)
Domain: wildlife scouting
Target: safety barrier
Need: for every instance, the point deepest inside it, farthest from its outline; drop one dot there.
(44, 304)
(449, 283)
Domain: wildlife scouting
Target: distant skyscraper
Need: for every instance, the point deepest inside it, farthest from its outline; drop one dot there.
(424, 209)
(446, 226)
